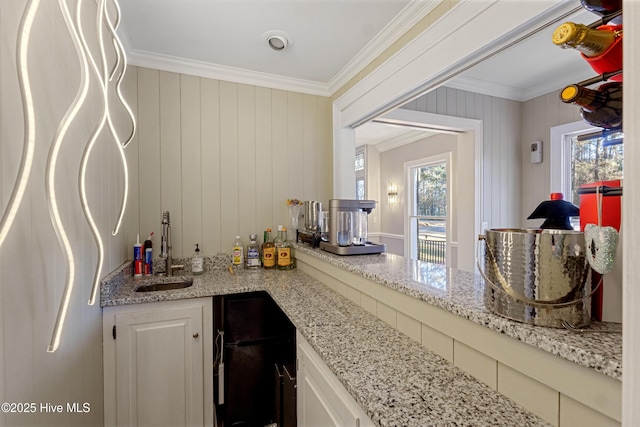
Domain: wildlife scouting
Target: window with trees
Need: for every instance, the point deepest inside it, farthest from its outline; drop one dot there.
(582, 154)
(428, 208)
(594, 158)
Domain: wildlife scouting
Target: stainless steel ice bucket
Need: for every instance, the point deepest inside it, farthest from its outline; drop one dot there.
(312, 210)
(540, 277)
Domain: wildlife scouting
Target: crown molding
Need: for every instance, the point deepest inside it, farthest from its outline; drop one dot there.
(486, 88)
(482, 87)
(415, 11)
(220, 72)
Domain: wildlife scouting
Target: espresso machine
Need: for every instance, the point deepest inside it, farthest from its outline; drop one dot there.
(348, 228)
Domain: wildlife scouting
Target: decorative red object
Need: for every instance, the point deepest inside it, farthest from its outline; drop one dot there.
(556, 196)
(611, 59)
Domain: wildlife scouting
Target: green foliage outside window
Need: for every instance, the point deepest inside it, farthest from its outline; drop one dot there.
(592, 161)
(431, 190)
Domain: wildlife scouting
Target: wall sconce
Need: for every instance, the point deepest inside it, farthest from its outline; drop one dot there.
(392, 194)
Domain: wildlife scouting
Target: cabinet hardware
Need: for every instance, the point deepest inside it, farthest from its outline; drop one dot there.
(195, 335)
(113, 332)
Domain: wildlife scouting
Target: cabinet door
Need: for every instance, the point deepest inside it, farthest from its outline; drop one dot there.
(159, 366)
(322, 399)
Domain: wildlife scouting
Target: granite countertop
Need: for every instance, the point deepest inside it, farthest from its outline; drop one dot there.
(461, 293)
(395, 380)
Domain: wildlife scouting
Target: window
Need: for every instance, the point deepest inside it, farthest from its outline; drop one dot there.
(359, 161)
(581, 154)
(593, 158)
(428, 209)
(360, 168)
(360, 189)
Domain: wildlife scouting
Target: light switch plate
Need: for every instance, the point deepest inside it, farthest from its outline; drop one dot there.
(536, 152)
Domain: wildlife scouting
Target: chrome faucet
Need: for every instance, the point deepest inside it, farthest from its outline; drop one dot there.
(165, 246)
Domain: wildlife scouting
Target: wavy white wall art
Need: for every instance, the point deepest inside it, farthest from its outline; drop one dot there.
(29, 139)
(102, 80)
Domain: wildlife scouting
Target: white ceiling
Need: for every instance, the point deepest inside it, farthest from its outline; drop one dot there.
(331, 41)
(533, 67)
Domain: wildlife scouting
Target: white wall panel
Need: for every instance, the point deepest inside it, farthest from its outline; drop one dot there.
(191, 166)
(225, 157)
(325, 151)
(294, 156)
(246, 167)
(309, 141)
(264, 161)
(229, 191)
(170, 157)
(211, 178)
(147, 172)
(280, 157)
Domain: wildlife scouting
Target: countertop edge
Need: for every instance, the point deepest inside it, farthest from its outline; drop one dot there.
(539, 337)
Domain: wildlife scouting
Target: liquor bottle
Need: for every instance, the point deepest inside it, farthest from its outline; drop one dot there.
(601, 107)
(284, 251)
(591, 42)
(237, 252)
(268, 251)
(602, 7)
(253, 252)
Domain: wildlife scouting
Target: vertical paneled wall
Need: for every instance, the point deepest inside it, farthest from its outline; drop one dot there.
(539, 115)
(32, 265)
(501, 158)
(223, 158)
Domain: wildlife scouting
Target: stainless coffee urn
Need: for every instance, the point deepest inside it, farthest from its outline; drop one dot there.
(348, 228)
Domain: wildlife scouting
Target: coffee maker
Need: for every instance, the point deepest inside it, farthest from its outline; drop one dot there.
(348, 224)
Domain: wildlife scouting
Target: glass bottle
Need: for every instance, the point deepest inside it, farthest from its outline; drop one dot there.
(237, 252)
(268, 251)
(197, 262)
(601, 107)
(284, 251)
(590, 41)
(253, 252)
(602, 7)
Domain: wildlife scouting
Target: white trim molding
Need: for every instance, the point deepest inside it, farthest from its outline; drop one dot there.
(413, 13)
(630, 224)
(388, 236)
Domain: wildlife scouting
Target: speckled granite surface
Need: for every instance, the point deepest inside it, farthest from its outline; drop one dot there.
(396, 381)
(461, 293)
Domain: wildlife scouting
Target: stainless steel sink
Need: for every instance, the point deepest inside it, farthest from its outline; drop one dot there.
(165, 285)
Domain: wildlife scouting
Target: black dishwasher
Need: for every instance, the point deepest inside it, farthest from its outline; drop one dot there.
(257, 337)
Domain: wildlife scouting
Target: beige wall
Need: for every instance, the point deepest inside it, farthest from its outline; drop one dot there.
(32, 265)
(223, 158)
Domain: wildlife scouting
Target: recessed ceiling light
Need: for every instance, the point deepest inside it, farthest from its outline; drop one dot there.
(277, 40)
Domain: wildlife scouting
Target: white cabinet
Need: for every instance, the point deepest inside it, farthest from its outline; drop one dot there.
(322, 399)
(158, 364)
